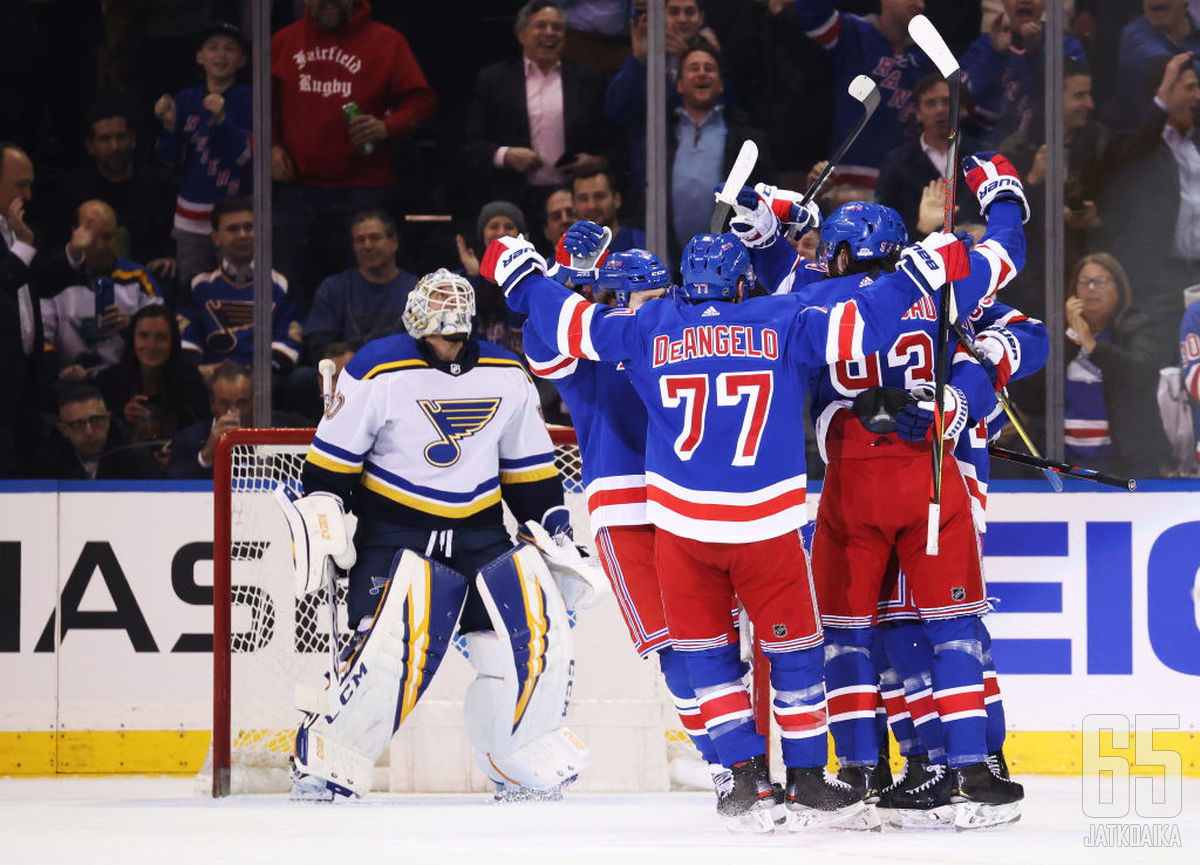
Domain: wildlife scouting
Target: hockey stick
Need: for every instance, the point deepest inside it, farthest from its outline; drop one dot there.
(931, 42)
(738, 175)
(964, 339)
(1064, 469)
(863, 89)
(327, 369)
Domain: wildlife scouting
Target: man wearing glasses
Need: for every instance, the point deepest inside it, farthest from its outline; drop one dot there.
(90, 445)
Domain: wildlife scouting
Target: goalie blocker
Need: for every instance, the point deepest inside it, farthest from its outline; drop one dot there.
(514, 709)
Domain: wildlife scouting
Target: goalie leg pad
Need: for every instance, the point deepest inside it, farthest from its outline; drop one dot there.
(515, 708)
(384, 676)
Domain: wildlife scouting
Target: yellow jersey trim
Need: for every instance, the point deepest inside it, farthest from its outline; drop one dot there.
(425, 506)
(528, 476)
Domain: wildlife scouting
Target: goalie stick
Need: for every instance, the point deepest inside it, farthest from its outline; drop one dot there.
(930, 41)
(739, 174)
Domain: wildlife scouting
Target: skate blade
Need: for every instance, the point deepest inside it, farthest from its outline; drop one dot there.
(976, 815)
(311, 794)
(907, 819)
(859, 817)
(759, 821)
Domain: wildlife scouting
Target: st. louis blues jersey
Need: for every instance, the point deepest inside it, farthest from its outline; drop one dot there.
(723, 386)
(610, 423)
(219, 321)
(412, 440)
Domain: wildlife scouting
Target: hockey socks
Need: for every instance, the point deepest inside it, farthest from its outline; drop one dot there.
(892, 706)
(851, 690)
(724, 700)
(910, 654)
(799, 705)
(992, 700)
(958, 687)
(674, 670)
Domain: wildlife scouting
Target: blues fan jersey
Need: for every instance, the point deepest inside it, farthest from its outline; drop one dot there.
(218, 322)
(610, 423)
(1189, 357)
(724, 386)
(415, 441)
(71, 318)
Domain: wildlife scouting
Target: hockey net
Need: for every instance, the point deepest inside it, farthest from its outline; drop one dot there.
(266, 643)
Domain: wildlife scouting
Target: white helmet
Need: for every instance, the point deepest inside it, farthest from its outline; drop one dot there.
(441, 304)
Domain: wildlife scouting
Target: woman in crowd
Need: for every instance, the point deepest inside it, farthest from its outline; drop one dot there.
(152, 387)
(1111, 415)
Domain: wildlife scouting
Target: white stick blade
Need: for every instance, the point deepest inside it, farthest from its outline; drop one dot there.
(740, 173)
(923, 32)
(863, 89)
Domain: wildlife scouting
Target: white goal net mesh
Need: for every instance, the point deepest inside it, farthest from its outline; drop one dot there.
(619, 705)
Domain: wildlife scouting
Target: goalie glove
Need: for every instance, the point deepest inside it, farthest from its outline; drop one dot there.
(993, 178)
(322, 532)
(931, 263)
(579, 253)
(786, 205)
(914, 422)
(508, 260)
(578, 576)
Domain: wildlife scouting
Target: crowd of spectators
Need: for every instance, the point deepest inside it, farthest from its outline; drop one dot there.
(404, 139)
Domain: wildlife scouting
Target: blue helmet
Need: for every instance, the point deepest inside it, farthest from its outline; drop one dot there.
(712, 265)
(632, 270)
(871, 230)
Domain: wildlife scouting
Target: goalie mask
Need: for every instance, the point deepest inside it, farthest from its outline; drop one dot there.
(441, 304)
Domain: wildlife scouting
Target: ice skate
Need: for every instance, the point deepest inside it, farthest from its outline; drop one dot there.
(982, 798)
(865, 780)
(309, 788)
(511, 793)
(746, 799)
(816, 799)
(998, 764)
(920, 798)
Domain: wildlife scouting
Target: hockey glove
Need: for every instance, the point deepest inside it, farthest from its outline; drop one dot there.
(753, 221)
(914, 422)
(785, 204)
(508, 260)
(931, 263)
(993, 178)
(579, 253)
(1001, 355)
(578, 576)
(321, 532)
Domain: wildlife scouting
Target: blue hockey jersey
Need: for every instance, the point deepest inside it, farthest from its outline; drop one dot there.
(1189, 358)
(218, 322)
(610, 424)
(724, 388)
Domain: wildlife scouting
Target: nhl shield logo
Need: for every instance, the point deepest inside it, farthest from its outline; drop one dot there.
(779, 630)
(958, 593)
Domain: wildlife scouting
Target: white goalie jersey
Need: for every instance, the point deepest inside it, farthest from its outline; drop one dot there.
(411, 440)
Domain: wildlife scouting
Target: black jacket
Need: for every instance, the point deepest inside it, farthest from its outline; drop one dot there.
(19, 418)
(498, 117)
(121, 459)
(903, 176)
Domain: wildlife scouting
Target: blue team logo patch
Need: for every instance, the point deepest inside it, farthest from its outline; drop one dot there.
(455, 419)
(335, 405)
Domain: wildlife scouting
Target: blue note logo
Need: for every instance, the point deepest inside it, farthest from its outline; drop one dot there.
(455, 419)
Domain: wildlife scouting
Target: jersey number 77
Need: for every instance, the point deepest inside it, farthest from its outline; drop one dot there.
(692, 391)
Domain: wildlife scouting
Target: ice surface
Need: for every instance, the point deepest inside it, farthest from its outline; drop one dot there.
(132, 820)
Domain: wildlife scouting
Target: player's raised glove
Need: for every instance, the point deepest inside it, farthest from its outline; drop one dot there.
(754, 223)
(579, 253)
(914, 422)
(508, 260)
(786, 205)
(1001, 355)
(939, 258)
(993, 178)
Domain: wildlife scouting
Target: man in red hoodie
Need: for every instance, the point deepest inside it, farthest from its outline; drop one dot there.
(329, 167)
